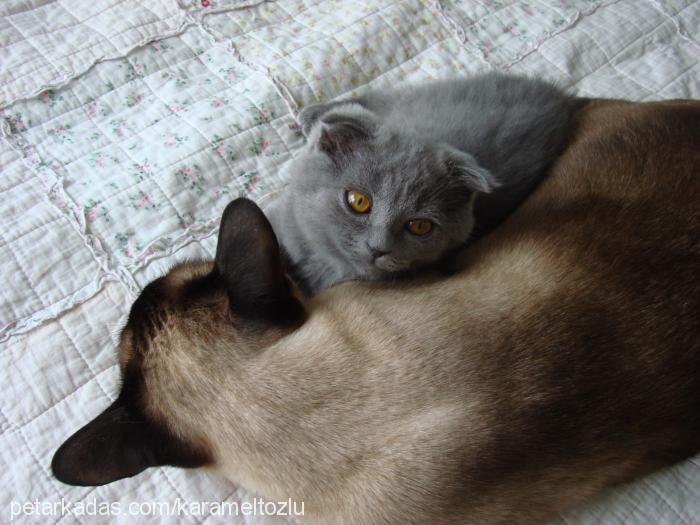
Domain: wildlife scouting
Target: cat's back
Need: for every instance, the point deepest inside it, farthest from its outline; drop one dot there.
(586, 328)
(478, 114)
(597, 273)
(616, 221)
(570, 337)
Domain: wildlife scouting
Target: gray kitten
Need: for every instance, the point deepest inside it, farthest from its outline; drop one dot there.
(394, 180)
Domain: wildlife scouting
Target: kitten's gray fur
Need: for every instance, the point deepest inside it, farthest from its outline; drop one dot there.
(418, 152)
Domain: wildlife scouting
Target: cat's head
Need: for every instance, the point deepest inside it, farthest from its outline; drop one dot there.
(382, 199)
(187, 334)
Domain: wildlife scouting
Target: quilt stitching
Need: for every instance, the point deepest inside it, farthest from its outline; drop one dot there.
(96, 376)
(6, 422)
(610, 59)
(188, 18)
(25, 276)
(651, 487)
(373, 72)
(674, 18)
(58, 197)
(61, 399)
(67, 76)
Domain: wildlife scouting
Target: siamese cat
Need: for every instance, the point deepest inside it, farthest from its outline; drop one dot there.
(562, 359)
(395, 180)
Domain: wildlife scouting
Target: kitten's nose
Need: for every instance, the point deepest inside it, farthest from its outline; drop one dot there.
(375, 253)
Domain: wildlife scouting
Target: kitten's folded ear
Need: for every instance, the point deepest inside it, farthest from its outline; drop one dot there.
(345, 131)
(249, 261)
(309, 116)
(467, 169)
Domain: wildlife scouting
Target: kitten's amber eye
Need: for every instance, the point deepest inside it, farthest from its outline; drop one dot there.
(419, 227)
(358, 202)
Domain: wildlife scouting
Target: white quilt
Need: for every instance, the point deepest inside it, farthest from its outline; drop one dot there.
(128, 125)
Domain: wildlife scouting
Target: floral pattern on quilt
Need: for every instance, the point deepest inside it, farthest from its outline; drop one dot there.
(127, 126)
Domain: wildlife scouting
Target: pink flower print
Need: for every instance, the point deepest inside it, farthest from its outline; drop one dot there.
(142, 201)
(160, 46)
(174, 140)
(261, 115)
(259, 146)
(229, 74)
(250, 185)
(118, 126)
(186, 220)
(133, 70)
(180, 104)
(250, 180)
(141, 172)
(91, 109)
(93, 212)
(218, 102)
(99, 160)
(17, 124)
(217, 146)
(192, 177)
(50, 97)
(133, 99)
(127, 242)
(61, 133)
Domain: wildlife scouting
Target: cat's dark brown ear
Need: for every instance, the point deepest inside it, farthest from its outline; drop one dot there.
(119, 443)
(248, 260)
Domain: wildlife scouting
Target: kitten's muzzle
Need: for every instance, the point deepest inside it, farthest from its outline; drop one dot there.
(374, 254)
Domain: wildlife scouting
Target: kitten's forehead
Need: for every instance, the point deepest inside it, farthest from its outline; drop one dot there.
(399, 173)
(394, 161)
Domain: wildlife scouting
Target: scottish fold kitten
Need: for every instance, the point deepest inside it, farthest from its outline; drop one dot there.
(393, 180)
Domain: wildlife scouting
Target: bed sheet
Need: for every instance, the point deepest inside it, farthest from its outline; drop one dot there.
(126, 128)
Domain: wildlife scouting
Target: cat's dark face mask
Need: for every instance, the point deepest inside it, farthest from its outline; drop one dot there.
(184, 328)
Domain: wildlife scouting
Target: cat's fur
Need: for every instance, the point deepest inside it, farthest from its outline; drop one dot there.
(438, 151)
(564, 357)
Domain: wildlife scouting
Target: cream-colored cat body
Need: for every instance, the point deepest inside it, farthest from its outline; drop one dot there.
(562, 358)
